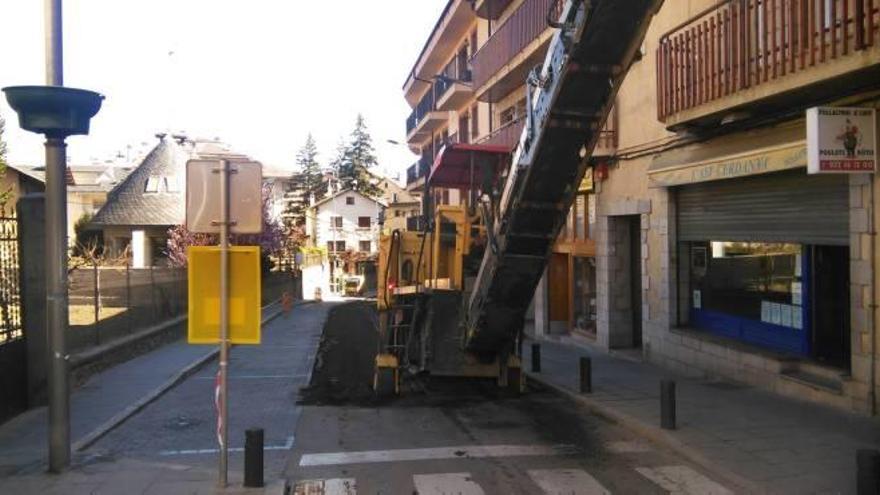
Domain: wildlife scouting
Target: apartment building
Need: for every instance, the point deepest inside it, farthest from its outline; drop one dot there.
(718, 254)
(468, 91)
(698, 239)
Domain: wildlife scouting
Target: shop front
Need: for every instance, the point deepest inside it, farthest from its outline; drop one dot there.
(762, 247)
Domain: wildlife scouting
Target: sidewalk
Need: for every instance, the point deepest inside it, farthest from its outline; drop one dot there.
(763, 441)
(94, 405)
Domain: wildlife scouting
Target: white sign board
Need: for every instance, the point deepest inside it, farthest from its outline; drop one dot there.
(841, 140)
(203, 196)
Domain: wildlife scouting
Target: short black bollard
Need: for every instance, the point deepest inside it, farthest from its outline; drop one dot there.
(536, 358)
(867, 472)
(253, 458)
(586, 375)
(667, 404)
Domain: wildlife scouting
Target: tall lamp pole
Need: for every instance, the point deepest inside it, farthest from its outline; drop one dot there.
(56, 112)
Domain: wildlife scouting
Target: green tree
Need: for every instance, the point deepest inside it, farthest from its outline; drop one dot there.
(355, 160)
(307, 161)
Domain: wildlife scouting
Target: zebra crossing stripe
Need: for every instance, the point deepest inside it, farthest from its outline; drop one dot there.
(567, 481)
(446, 484)
(334, 486)
(460, 452)
(682, 480)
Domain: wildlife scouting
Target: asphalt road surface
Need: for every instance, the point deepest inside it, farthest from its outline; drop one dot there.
(264, 383)
(461, 436)
(326, 434)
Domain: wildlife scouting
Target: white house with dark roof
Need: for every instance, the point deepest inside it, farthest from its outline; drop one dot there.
(140, 210)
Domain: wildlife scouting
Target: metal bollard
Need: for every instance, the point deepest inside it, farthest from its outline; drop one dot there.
(867, 472)
(536, 358)
(253, 458)
(586, 375)
(667, 404)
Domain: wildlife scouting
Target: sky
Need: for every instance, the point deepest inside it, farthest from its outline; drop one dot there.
(258, 74)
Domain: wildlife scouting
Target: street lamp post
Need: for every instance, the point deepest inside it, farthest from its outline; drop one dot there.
(56, 112)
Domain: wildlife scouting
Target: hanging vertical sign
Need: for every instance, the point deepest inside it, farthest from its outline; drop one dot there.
(841, 140)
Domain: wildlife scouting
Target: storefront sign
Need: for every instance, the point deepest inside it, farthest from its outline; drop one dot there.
(841, 140)
(784, 157)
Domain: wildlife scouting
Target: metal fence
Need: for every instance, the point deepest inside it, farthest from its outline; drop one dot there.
(10, 300)
(108, 302)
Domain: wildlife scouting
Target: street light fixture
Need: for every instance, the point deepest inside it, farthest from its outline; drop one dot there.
(56, 112)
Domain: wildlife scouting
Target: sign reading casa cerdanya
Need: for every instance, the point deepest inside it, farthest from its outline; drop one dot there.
(841, 140)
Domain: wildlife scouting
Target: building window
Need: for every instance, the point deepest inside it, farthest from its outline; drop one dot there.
(335, 222)
(752, 280)
(349, 200)
(340, 246)
(397, 213)
(444, 197)
(172, 184)
(363, 222)
(475, 125)
(152, 184)
(365, 246)
(507, 115)
(331, 246)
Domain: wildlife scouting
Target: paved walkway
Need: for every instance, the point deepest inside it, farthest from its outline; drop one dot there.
(781, 445)
(24, 439)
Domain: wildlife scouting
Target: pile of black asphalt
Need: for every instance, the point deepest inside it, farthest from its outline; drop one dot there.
(343, 373)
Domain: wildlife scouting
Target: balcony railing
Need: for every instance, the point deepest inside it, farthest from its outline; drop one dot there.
(521, 28)
(741, 44)
(426, 105)
(507, 135)
(418, 170)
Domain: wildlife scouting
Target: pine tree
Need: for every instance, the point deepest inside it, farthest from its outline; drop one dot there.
(355, 160)
(307, 161)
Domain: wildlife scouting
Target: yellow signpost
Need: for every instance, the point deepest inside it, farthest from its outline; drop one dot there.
(204, 295)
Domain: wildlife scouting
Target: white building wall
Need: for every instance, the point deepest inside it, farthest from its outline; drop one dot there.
(350, 232)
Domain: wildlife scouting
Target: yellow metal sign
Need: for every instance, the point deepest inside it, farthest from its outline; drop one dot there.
(204, 295)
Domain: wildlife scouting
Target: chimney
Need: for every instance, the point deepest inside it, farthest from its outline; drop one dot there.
(161, 135)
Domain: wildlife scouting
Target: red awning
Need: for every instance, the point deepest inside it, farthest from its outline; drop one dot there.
(452, 167)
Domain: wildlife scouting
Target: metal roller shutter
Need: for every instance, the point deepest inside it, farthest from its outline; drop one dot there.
(779, 207)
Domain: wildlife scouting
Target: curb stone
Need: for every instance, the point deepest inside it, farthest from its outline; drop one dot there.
(655, 435)
(111, 424)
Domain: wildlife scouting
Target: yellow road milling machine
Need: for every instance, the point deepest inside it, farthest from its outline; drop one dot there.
(453, 295)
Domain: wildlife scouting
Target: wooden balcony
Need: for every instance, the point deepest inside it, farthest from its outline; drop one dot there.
(742, 52)
(503, 62)
(508, 135)
(490, 9)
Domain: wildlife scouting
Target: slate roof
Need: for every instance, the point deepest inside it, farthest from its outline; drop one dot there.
(129, 204)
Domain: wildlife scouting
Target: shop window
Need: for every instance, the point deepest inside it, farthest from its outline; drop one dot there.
(761, 282)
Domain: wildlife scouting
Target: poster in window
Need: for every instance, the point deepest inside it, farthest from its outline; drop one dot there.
(699, 260)
(797, 318)
(765, 312)
(698, 299)
(775, 313)
(796, 294)
(786, 314)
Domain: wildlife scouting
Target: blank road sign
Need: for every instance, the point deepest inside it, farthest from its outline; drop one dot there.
(204, 295)
(203, 196)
